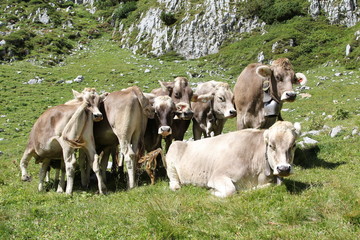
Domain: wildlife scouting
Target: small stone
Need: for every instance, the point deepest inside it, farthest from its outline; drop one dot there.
(335, 131)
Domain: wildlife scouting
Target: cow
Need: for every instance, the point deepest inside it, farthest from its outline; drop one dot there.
(210, 116)
(182, 95)
(125, 114)
(249, 158)
(59, 131)
(160, 126)
(261, 90)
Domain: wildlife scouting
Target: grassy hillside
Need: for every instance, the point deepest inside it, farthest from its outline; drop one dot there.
(320, 201)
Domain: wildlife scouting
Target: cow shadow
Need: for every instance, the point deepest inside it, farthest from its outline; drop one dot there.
(296, 187)
(308, 158)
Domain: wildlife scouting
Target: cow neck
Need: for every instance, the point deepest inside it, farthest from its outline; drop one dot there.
(269, 92)
(267, 161)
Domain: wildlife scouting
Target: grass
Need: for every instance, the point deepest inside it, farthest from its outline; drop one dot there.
(321, 200)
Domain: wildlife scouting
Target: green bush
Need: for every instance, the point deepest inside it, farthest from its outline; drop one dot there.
(271, 11)
(168, 18)
(340, 114)
(124, 10)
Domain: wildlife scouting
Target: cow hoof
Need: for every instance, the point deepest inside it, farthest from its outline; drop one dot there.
(174, 186)
(26, 178)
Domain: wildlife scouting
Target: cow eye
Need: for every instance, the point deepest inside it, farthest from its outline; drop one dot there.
(272, 147)
(221, 99)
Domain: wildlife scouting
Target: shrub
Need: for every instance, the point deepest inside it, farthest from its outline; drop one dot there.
(168, 18)
(124, 10)
(340, 114)
(271, 11)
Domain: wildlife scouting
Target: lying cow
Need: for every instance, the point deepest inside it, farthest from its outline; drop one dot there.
(59, 131)
(236, 160)
(210, 116)
(261, 90)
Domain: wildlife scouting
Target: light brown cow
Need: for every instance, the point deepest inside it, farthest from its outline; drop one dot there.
(62, 129)
(210, 116)
(243, 159)
(125, 117)
(260, 91)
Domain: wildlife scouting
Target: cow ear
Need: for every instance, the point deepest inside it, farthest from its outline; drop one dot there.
(264, 71)
(77, 95)
(203, 98)
(297, 127)
(150, 97)
(166, 87)
(103, 96)
(149, 111)
(301, 79)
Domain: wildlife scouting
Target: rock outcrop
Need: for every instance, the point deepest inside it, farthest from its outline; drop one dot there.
(205, 26)
(201, 31)
(344, 12)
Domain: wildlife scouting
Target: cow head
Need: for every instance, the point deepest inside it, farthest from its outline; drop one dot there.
(280, 147)
(223, 101)
(165, 112)
(282, 77)
(181, 94)
(93, 100)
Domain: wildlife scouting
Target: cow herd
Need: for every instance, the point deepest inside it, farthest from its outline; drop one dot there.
(127, 123)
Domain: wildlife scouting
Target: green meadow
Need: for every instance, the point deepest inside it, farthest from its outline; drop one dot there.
(321, 200)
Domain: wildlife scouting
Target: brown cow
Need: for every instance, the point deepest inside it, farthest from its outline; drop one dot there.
(210, 116)
(237, 160)
(160, 126)
(62, 129)
(181, 94)
(126, 114)
(260, 91)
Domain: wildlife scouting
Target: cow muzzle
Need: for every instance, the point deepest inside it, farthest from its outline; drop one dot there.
(288, 96)
(230, 114)
(97, 117)
(283, 170)
(187, 115)
(164, 131)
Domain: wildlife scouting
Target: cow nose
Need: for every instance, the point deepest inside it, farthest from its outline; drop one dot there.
(233, 113)
(98, 116)
(284, 170)
(164, 131)
(188, 115)
(291, 95)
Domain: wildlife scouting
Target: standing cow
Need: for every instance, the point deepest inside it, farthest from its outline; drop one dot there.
(236, 160)
(210, 116)
(181, 94)
(126, 114)
(260, 91)
(59, 131)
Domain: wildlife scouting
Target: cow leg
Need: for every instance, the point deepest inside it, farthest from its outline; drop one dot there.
(96, 168)
(222, 186)
(70, 161)
(24, 162)
(129, 158)
(104, 159)
(61, 185)
(197, 131)
(57, 175)
(42, 174)
(84, 169)
(174, 183)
